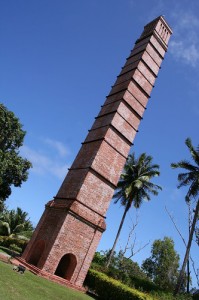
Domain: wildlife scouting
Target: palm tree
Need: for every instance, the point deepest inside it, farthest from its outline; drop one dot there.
(135, 186)
(191, 179)
(15, 223)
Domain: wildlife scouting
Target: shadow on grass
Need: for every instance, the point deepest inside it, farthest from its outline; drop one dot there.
(10, 252)
(92, 294)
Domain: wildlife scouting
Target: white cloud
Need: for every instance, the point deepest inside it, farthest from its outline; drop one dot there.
(187, 53)
(58, 146)
(43, 163)
(184, 45)
(187, 20)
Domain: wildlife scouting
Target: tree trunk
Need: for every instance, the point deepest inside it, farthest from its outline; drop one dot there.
(117, 236)
(188, 275)
(181, 275)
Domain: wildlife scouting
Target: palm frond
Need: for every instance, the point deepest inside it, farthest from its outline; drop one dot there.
(190, 178)
(135, 181)
(194, 152)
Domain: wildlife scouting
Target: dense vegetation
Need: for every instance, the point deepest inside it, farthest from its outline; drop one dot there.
(13, 168)
(124, 279)
(190, 178)
(162, 266)
(15, 229)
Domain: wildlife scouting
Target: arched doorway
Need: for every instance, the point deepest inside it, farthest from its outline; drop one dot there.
(36, 253)
(66, 266)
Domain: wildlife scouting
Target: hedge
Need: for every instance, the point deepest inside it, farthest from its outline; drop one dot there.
(110, 289)
(13, 243)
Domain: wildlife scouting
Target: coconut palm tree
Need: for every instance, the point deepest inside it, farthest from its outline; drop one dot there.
(15, 223)
(189, 178)
(135, 186)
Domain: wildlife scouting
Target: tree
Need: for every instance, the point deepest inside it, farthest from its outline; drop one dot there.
(15, 223)
(13, 168)
(162, 266)
(134, 186)
(121, 268)
(191, 179)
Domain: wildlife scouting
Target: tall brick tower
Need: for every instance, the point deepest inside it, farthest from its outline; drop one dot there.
(68, 233)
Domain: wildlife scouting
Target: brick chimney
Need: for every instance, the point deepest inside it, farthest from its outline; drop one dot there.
(68, 233)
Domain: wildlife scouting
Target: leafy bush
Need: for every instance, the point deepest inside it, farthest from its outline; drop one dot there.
(143, 284)
(15, 248)
(140, 283)
(129, 273)
(196, 297)
(8, 242)
(111, 289)
(122, 269)
(169, 296)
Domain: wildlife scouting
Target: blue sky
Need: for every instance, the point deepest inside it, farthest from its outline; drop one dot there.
(58, 62)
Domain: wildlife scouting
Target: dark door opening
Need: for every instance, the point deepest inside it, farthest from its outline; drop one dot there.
(36, 253)
(66, 266)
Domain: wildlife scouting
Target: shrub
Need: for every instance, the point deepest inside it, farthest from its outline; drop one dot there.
(142, 284)
(8, 242)
(15, 248)
(161, 295)
(111, 289)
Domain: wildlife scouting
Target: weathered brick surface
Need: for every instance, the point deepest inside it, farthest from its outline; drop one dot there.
(134, 103)
(156, 44)
(148, 74)
(108, 163)
(72, 184)
(129, 99)
(100, 196)
(71, 226)
(73, 243)
(124, 127)
(112, 136)
(139, 93)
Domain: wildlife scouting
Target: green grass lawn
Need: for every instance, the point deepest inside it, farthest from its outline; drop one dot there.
(27, 286)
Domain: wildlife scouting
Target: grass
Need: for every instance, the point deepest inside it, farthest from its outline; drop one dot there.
(15, 286)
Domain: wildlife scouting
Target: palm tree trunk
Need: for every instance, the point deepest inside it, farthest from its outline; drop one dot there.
(181, 275)
(117, 236)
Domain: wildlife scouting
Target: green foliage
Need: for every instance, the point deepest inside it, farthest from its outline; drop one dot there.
(8, 242)
(15, 223)
(190, 178)
(111, 289)
(161, 295)
(15, 229)
(129, 274)
(162, 266)
(135, 182)
(134, 186)
(120, 267)
(123, 269)
(196, 297)
(15, 248)
(13, 168)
